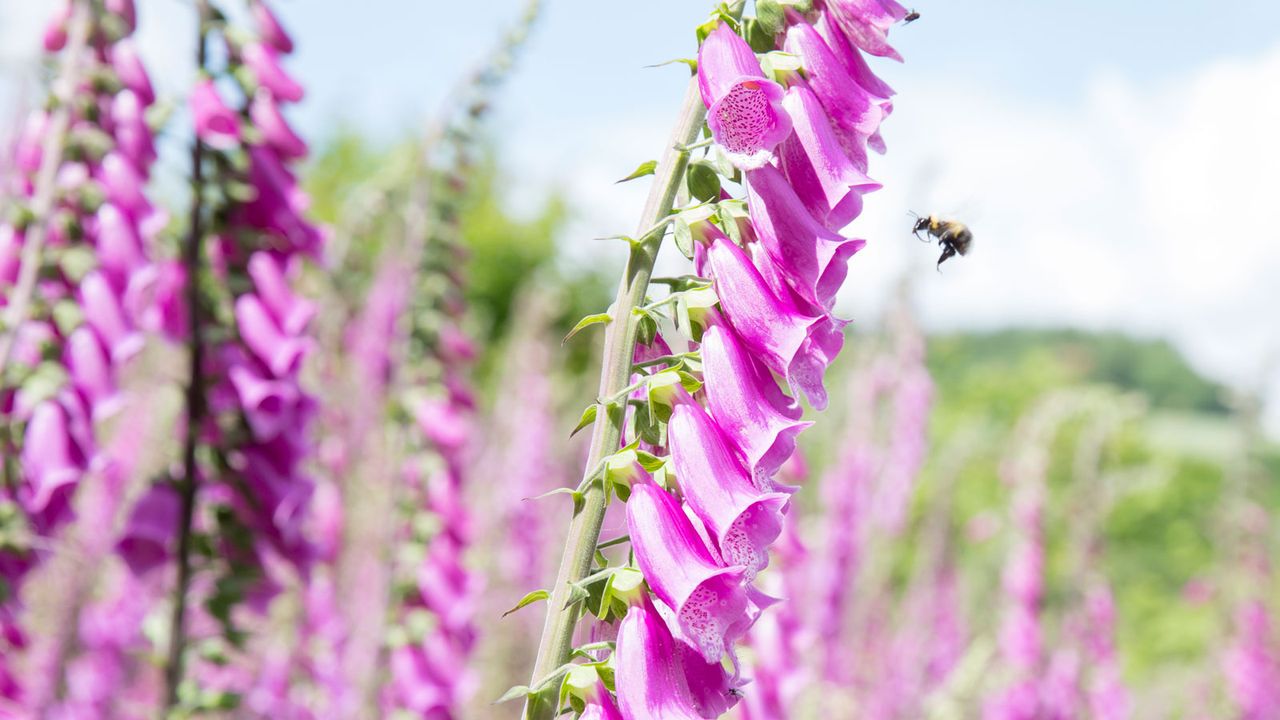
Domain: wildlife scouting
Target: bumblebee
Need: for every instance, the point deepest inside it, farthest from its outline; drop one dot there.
(954, 237)
(911, 17)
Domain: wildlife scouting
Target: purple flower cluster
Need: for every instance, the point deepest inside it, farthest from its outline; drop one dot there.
(1021, 636)
(801, 149)
(429, 673)
(97, 293)
(847, 490)
(1252, 661)
(259, 410)
(1106, 694)
(522, 435)
(779, 639)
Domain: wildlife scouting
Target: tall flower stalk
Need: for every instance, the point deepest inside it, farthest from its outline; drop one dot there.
(792, 131)
(243, 490)
(1251, 660)
(412, 629)
(80, 290)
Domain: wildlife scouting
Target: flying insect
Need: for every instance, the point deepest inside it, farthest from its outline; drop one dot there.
(954, 237)
(911, 17)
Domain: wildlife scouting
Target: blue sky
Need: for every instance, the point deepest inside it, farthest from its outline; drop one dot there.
(1112, 157)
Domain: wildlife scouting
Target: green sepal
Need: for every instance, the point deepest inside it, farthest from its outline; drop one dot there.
(646, 329)
(648, 167)
(620, 468)
(44, 382)
(722, 13)
(703, 181)
(691, 310)
(684, 238)
(770, 16)
(577, 593)
(686, 220)
(758, 37)
(647, 425)
(67, 316)
(76, 262)
(661, 393)
(589, 589)
(586, 322)
(781, 66)
(579, 683)
(649, 461)
(529, 599)
(623, 586)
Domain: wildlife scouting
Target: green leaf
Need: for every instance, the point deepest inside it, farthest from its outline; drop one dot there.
(518, 691)
(758, 37)
(684, 238)
(770, 16)
(691, 384)
(577, 593)
(692, 63)
(648, 167)
(553, 678)
(588, 417)
(646, 330)
(558, 491)
(649, 461)
(703, 181)
(529, 599)
(586, 322)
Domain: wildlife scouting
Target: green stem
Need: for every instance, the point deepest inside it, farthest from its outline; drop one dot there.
(55, 141)
(195, 405)
(619, 349)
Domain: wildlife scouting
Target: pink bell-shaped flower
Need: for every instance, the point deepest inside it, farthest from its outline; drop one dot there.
(51, 463)
(866, 23)
(282, 354)
(104, 313)
(267, 117)
(151, 530)
(744, 108)
(748, 405)
(823, 176)
(132, 74)
(268, 404)
(794, 344)
(742, 520)
(291, 312)
(651, 678)
(216, 124)
(265, 66)
(812, 259)
(855, 114)
(133, 136)
(269, 27)
(709, 600)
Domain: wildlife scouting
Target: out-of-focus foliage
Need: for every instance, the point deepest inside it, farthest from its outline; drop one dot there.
(1155, 500)
(506, 248)
(1151, 367)
(1161, 486)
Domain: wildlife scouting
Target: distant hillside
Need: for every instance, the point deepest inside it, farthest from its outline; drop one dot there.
(1152, 367)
